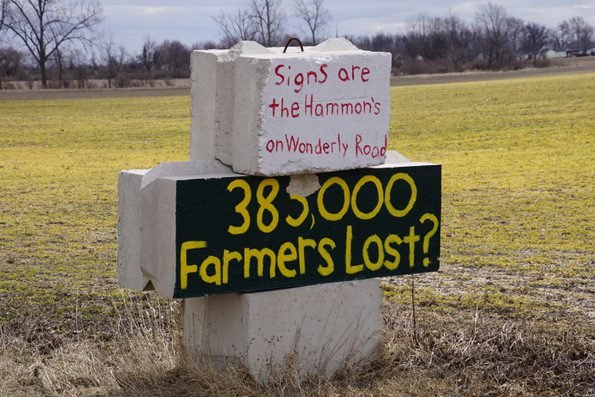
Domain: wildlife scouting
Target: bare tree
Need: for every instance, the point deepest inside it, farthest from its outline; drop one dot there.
(577, 32)
(45, 25)
(79, 67)
(59, 58)
(418, 36)
(240, 26)
(10, 63)
(492, 22)
(535, 37)
(173, 58)
(269, 20)
(514, 30)
(113, 61)
(315, 15)
(148, 55)
(261, 21)
(458, 38)
(3, 12)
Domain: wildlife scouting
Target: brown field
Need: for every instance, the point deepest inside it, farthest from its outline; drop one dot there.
(182, 86)
(557, 67)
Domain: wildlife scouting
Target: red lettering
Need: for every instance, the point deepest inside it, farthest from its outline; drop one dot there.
(376, 107)
(343, 75)
(356, 73)
(279, 109)
(365, 72)
(274, 105)
(358, 108)
(299, 82)
(358, 140)
(323, 72)
(270, 146)
(295, 110)
(369, 150)
(280, 75)
(274, 146)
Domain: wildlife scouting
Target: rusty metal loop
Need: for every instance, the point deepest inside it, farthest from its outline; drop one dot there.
(289, 42)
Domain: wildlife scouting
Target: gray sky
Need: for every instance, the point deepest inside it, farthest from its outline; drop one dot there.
(190, 21)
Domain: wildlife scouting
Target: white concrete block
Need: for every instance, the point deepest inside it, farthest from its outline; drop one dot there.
(158, 237)
(203, 66)
(129, 233)
(146, 222)
(268, 113)
(212, 95)
(321, 110)
(316, 329)
(158, 218)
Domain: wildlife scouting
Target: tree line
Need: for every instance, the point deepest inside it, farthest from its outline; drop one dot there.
(495, 40)
(58, 42)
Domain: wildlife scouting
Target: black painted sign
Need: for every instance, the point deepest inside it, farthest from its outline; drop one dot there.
(246, 233)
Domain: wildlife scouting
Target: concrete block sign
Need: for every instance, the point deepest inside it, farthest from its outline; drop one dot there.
(291, 111)
(276, 231)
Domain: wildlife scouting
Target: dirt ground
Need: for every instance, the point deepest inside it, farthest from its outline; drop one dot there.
(182, 87)
(560, 66)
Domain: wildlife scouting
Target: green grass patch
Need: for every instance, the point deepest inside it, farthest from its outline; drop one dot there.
(517, 168)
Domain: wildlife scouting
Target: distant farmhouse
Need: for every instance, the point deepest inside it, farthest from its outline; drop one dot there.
(549, 53)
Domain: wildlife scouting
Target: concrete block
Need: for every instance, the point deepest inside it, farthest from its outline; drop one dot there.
(146, 222)
(129, 233)
(212, 92)
(268, 113)
(314, 330)
(322, 110)
(203, 66)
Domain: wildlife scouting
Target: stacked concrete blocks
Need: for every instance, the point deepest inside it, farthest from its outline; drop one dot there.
(276, 113)
(250, 105)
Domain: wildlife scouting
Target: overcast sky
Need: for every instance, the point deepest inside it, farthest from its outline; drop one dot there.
(190, 21)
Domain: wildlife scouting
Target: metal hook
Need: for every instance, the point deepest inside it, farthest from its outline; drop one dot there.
(289, 42)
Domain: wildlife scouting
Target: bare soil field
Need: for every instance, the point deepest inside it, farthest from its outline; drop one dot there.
(182, 86)
(558, 66)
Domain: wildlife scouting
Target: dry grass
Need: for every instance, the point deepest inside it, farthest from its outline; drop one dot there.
(511, 313)
(468, 353)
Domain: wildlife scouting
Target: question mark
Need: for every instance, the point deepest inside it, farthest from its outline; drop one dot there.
(426, 244)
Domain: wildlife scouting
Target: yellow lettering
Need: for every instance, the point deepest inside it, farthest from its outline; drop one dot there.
(287, 253)
(229, 256)
(215, 263)
(295, 222)
(350, 269)
(330, 265)
(242, 207)
(185, 268)
(390, 250)
(265, 201)
(411, 239)
(388, 192)
(320, 199)
(302, 244)
(356, 211)
(373, 239)
(259, 255)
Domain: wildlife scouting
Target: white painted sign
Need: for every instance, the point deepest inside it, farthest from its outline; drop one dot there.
(324, 112)
(324, 109)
